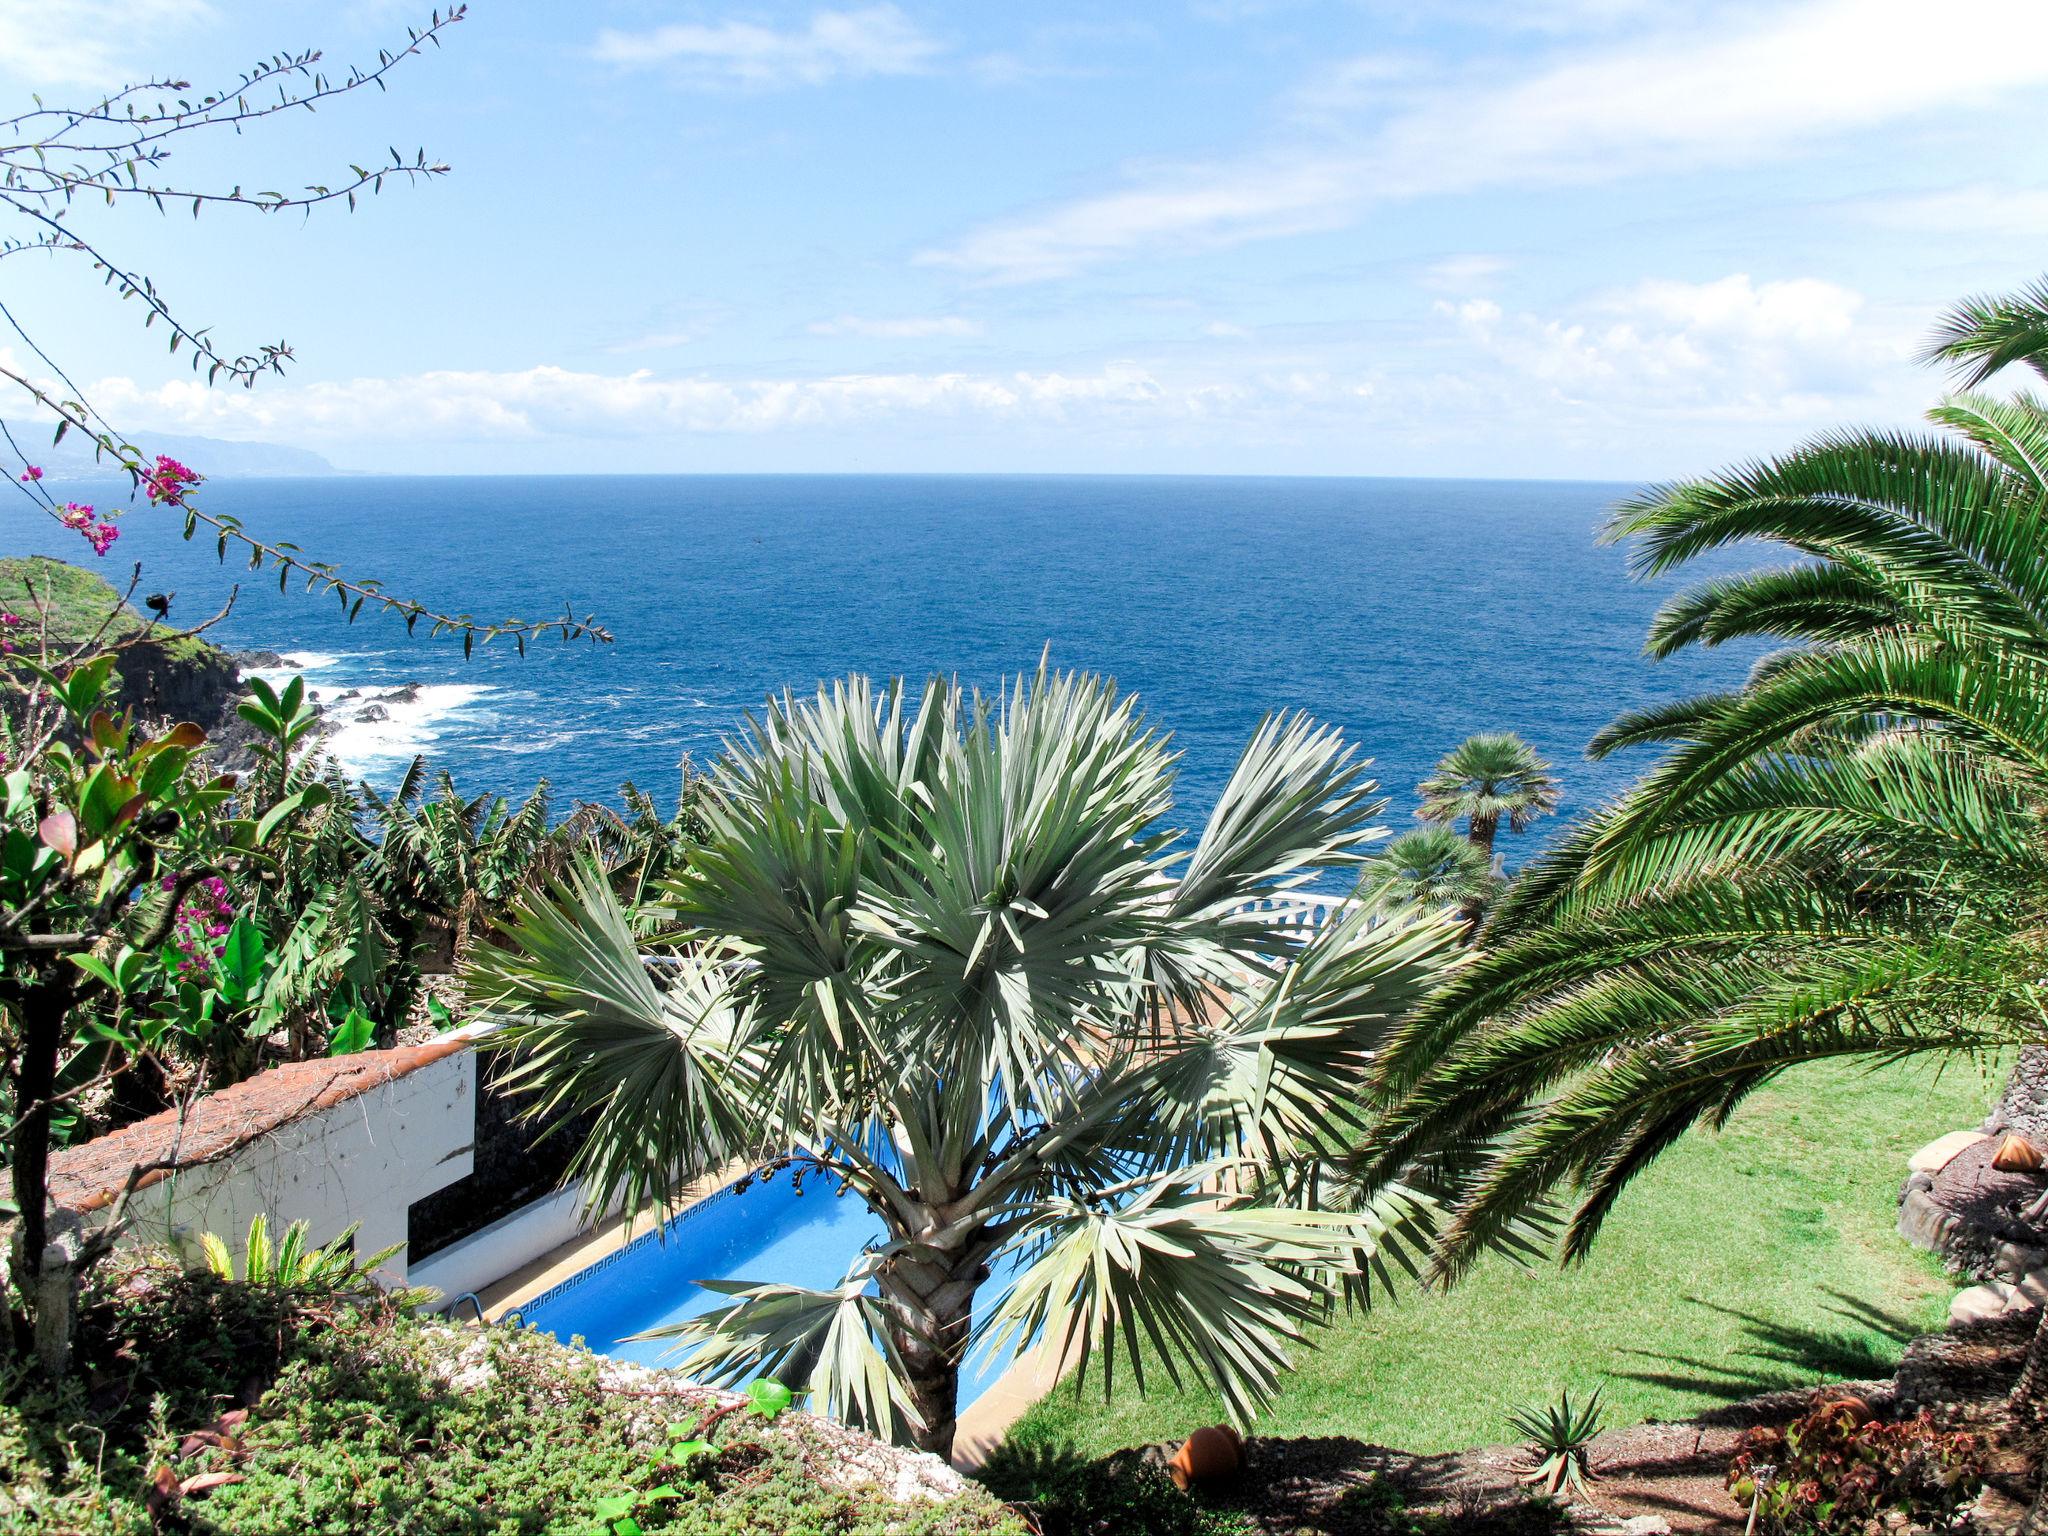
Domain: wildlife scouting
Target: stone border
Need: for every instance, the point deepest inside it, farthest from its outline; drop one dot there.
(2019, 1279)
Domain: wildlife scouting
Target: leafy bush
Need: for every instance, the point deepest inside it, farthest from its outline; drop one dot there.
(1837, 1470)
(258, 1411)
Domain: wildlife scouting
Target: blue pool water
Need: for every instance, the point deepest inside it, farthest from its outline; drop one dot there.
(766, 1232)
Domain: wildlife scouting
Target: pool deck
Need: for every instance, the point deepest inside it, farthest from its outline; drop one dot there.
(982, 1425)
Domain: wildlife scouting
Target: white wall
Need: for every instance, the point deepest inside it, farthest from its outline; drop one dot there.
(364, 1160)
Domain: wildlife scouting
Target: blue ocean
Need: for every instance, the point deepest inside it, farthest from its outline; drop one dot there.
(1410, 612)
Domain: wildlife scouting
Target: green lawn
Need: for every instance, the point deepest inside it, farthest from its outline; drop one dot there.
(1762, 1257)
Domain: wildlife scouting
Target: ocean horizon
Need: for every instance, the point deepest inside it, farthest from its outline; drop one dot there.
(1409, 612)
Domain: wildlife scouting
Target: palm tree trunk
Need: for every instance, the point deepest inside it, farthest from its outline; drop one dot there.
(2030, 1392)
(931, 1345)
(1481, 831)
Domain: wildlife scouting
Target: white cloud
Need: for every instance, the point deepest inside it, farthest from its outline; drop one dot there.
(874, 40)
(1800, 349)
(1225, 330)
(2018, 213)
(547, 401)
(1677, 100)
(909, 329)
(100, 44)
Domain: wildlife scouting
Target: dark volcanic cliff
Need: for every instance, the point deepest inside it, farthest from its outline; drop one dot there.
(170, 679)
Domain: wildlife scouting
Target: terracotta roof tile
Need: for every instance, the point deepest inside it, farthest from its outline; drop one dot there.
(90, 1177)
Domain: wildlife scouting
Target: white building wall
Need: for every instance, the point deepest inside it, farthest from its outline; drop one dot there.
(364, 1160)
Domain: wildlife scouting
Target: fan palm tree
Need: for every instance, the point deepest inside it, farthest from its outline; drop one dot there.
(941, 952)
(1845, 856)
(1485, 780)
(1430, 868)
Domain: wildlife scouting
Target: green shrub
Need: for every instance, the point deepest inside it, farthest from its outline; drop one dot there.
(1837, 1470)
(362, 1418)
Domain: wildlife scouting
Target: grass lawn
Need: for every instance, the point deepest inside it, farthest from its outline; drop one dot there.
(1758, 1258)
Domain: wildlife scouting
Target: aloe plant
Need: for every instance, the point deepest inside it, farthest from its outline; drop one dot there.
(1559, 1433)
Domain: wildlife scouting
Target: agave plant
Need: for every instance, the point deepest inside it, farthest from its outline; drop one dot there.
(949, 953)
(1559, 1434)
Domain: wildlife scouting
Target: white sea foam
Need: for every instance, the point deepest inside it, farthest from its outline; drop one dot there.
(411, 727)
(522, 746)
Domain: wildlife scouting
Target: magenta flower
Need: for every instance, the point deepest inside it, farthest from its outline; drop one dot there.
(33, 474)
(169, 480)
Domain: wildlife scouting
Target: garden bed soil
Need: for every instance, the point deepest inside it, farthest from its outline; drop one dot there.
(1650, 1478)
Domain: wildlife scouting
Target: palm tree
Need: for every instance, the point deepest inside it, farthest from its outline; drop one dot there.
(1845, 856)
(943, 953)
(1430, 868)
(1485, 780)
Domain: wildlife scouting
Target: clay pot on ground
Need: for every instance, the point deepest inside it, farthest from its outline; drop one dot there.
(1209, 1456)
(2016, 1154)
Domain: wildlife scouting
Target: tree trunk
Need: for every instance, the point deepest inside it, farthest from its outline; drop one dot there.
(2030, 1392)
(935, 1394)
(931, 1343)
(1481, 830)
(40, 1012)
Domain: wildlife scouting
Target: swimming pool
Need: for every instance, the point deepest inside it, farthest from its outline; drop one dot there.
(766, 1232)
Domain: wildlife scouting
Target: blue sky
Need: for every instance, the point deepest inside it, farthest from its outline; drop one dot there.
(1584, 238)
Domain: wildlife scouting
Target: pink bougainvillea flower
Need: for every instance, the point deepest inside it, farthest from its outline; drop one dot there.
(168, 480)
(32, 474)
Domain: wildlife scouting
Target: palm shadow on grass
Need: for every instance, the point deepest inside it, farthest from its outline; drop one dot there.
(1784, 1356)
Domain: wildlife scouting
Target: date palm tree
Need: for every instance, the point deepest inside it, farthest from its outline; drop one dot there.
(947, 953)
(1431, 868)
(1485, 780)
(1845, 856)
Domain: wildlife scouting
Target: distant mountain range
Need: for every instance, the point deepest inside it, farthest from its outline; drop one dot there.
(214, 457)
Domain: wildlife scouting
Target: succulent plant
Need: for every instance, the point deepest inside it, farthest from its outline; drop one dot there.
(1559, 1433)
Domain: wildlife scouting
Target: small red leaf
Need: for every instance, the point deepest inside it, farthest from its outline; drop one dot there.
(60, 831)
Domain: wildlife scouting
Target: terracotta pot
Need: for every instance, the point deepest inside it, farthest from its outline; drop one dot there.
(1209, 1456)
(2016, 1154)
